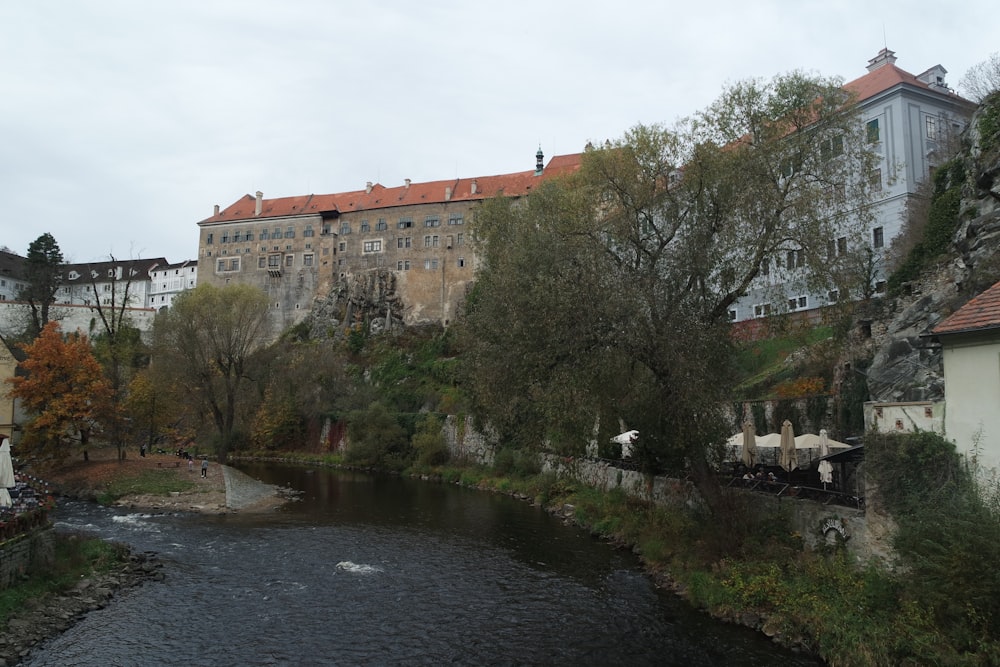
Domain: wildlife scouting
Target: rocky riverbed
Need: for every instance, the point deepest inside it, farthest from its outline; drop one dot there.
(47, 617)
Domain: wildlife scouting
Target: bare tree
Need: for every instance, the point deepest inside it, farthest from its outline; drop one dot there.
(983, 79)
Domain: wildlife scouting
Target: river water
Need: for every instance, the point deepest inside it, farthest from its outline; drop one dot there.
(368, 570)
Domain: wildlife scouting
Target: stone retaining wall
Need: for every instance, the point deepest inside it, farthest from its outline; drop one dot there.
(21, 553)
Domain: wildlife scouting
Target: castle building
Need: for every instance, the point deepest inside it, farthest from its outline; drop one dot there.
(412, 240)
(911, 122)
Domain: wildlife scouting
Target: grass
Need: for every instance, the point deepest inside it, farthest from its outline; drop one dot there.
(147, 482)
(75, 557)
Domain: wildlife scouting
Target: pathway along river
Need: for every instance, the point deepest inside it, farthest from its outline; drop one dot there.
(369, 570)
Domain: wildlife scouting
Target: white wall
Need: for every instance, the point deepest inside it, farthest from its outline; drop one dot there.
(972, 391)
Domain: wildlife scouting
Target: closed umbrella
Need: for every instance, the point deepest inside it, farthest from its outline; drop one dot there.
(6, 474)
(788, 459)
(749, 445)
(825, 467)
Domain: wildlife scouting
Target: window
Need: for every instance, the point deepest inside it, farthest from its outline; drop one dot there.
(208, 239)
(381, 225)
(432, 221)
(765, 267)
(289, 260)
(455, 219)
(872, 131)
(326, 230)
(430, 263)
(341, 246)
(798, 303)
(875, 180)
(308, 231)
(307, 259)
(461, 262)
(237, 236)
(930, 125)
(459, 239)
(289, 232)
(833, 296)
(225, 237)
(365, 227)
(220, 265)
(372, 246)
(262, 262)
(795, 259)
(345, 228)
(404, 242)
(761, 310)
(403, 265)
(830, 147)
(276, 234)
(273, 261)
(431, 241)
(404, 223)
(878, 238)
(249, 235)
(731, 313)
(234, 264)
(264, 235)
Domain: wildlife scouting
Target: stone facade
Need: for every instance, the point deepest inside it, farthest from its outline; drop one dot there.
(408, 245)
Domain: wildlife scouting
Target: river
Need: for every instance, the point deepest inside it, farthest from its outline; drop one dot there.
(372, 570)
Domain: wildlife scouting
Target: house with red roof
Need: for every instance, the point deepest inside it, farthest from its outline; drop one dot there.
(970, 343)
(408, 242)
(910, 121)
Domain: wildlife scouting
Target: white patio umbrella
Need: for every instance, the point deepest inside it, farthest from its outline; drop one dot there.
(749, 445)
(825, 467)
(6, 473)
(788, 459)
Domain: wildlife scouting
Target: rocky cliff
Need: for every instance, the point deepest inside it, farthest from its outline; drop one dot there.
(906, 363)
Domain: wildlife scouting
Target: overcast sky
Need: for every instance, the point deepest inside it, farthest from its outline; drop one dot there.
(123, 122)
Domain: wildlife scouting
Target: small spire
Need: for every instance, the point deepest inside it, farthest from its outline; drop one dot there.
(539, 161)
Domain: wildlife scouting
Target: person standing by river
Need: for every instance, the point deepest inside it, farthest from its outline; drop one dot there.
(204, 467)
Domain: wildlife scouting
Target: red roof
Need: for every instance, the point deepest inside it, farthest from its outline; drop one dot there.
(381, 197)
(981, 313)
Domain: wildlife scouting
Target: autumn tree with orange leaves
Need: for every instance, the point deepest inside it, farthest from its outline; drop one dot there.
(64, 391)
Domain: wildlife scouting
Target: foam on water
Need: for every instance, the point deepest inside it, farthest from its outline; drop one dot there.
(356, 568)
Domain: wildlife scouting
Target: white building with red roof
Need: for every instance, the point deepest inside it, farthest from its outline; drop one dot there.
(911, 121)
(970, 344)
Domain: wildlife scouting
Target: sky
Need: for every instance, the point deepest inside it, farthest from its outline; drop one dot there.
(123, 122)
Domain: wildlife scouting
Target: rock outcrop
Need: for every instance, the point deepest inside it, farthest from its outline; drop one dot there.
(906, 364)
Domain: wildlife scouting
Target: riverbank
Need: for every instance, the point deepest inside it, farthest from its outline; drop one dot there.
(162, 483)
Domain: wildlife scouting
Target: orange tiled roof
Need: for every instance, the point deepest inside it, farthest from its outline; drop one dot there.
(887, 76)
(981, 313)
(381, 197)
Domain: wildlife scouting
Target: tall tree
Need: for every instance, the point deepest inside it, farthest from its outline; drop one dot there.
(206, 341)
(609, 292)
(64, 391)
(43, 271)
(118, 343)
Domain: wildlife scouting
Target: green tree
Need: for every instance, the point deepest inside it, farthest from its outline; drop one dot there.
(64, 391)
(205, 342)
(608, 293)
(118, 343)
(43, 275)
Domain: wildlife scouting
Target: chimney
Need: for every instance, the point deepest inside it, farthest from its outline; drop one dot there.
(884, 57)
(260, 203)
(216, 210)
(368, 187)
(475, 186)
(407, 181)
(447, 193)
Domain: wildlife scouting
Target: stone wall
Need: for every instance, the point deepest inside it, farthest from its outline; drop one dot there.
(866, 535)
(19, 554)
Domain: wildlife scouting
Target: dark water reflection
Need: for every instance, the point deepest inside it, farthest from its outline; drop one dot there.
(371, 570)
